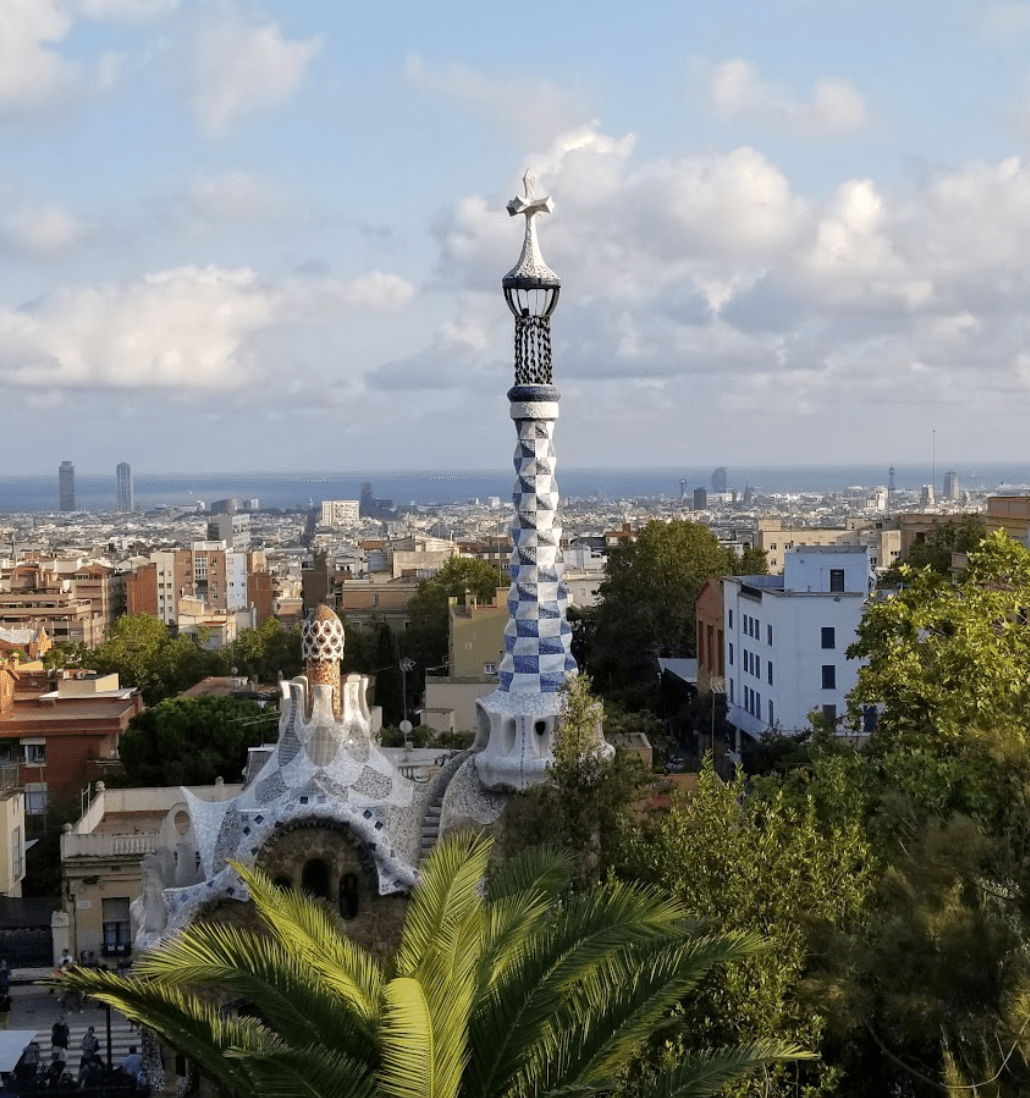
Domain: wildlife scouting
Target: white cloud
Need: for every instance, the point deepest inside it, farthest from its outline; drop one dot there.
(240, 68)
(736, 92)
(33, 74)
(185, 328)
(527, 110)
(42, 230)
(209, 202)
(124, 11)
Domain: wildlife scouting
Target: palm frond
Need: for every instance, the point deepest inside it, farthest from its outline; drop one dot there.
(291, 1072)
(533, 987)
(307, 926)
(542, 869)
(710, 1072)
(604, 1019)
(240, 963)
(407, 1042)
(448, 890)
(190, 1024)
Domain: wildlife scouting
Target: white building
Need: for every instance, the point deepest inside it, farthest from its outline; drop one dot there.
(340, 512)
(786, 638)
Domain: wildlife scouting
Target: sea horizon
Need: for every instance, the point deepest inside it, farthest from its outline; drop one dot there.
(303, 488)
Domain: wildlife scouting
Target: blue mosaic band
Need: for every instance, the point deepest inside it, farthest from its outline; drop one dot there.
(537, 637)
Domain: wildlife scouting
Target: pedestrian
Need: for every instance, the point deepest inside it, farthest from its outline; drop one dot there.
(59, 1034)
(65, 961)
(90, 1047)
(5, 1008)
(5, 976)
(132, 1062)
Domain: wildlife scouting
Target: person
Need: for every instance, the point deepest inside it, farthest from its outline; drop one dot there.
(5, 977)
(91, 1074)
(59, 1034)
(65, 961)
(132, 1062)
(55, 1070)
(28, 1065)
(5, 1008)
(90, 1046)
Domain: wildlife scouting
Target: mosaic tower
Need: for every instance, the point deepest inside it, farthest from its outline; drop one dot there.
(516, 723)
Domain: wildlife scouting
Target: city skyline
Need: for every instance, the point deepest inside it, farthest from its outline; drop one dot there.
(272, 236)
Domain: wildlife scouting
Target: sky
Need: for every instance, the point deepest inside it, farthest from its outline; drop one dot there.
(270, 236)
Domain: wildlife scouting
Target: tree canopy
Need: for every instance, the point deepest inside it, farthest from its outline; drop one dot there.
(529, 991)
(427, 638)
(646, 607)
(934, 549)
(192, 741)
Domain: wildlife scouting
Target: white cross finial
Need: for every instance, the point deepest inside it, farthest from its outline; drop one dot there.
(531, 263)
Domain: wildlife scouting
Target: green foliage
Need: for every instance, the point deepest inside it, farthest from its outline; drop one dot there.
(514, 995)
(948, 662)
(647, 598)
(192, 741)
(770, 863)
(264, 653)
(933, 550)
(427, 638)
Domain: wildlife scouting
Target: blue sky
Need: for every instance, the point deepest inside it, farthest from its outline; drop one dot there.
(270, 235)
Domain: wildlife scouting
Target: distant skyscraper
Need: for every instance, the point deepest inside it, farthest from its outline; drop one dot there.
(952, 488)
(66, 485)
(719, 479)
(123, 475)
(700, 499)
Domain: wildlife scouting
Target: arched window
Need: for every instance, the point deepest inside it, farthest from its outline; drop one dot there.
(315, 878)
(349, 895)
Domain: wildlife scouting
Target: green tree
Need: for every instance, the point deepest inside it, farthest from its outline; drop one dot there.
(426, 640)
(512, 996)
(768, 864)
(139, 648)
(583, 806)
(934, 549)
(646, 607)
(265, 653)
(192, 741)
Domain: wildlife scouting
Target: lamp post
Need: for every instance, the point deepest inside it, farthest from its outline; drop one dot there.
(406, 665)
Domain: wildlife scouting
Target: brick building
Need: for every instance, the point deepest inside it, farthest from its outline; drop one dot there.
(61, 731)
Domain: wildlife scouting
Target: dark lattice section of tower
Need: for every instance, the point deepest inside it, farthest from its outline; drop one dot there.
(532, 350)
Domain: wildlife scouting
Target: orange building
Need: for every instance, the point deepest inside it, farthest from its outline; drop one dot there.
(61, 731)
(708, 612)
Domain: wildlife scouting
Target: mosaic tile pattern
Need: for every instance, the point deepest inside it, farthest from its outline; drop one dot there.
(371, 783)
(270, 789)
(537, 637)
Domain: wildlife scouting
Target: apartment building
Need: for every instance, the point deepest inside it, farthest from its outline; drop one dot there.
(786, 638)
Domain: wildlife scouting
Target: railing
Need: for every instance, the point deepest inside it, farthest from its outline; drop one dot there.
(106, 846)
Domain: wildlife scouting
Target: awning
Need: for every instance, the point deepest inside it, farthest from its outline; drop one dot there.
(13, 1043)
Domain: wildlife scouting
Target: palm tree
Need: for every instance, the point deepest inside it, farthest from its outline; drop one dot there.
(533, 991)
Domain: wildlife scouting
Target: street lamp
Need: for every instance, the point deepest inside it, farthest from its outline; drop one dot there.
(406, 665)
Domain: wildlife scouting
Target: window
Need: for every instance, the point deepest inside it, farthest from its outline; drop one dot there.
(722, 668)
(829, 676)
(731, 655)
(771, 721)
(711, 647)
(35, 798)
(731, 684)
(758, 630)
(35, 754)
(768, 667)
(829, 637)
(729, 621)
(758, 666)
(836, 579)
(489, 668)
(758, 706)
(117, 925)
(772, 545)
(769, 629)
(830, 714)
